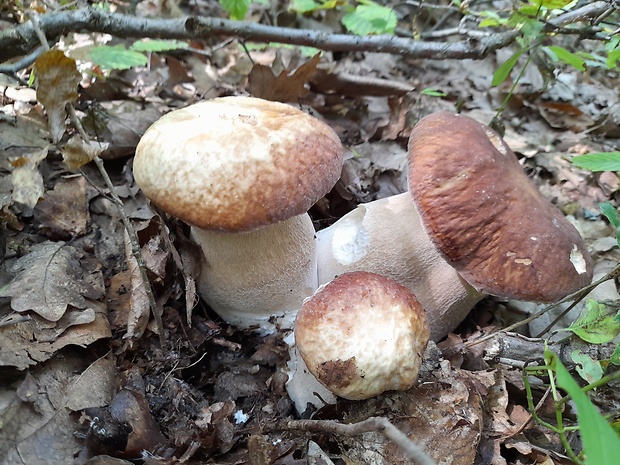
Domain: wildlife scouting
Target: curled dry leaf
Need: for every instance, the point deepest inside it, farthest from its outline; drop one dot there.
(29, 339)
(41, 409)
(27, 180)
(57, 81)
(47, 281)
(140, 309)
(77, 152)
(285, 87)
(125, 428)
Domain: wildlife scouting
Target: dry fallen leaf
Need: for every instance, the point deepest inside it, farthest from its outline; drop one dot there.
(140, 310)
(57, 81)
(47, 280)
(28, 339)
(285, 87)
(36, 414)
(27, 180)
(77, 152)
(63, 213)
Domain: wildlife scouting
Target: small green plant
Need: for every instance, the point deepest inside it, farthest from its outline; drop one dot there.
(532, 21)
(363, 18)
(601, 444)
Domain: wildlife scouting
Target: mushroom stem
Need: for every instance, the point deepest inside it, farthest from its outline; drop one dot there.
(387, 237)
(260, 277)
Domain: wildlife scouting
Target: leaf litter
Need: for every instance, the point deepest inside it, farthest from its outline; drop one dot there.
(87, 377)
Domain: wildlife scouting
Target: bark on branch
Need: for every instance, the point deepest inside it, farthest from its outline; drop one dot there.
(23, 39)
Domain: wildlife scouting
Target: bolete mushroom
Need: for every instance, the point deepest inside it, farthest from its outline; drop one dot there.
(472, 224)
(362, 334)
(511, 241)
(243, 172)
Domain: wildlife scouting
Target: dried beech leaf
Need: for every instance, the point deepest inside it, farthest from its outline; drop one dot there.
(285, 87)
(57, 80)
(47, 280)
(78, 152)
(27, 180)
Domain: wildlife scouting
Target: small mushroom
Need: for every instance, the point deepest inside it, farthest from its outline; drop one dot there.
(476, 226)
(243, 172)
(362, 334)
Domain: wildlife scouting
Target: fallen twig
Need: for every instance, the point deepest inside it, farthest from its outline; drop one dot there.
(22, 39)
(576, 297)
(377, 424)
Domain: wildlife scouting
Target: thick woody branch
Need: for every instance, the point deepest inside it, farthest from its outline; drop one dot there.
(23, 39)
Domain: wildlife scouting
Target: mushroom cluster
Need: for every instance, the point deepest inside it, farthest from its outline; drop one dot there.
(243, 172)
(471, 225)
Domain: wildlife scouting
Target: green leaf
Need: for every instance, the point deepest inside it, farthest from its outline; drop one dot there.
(561, 54)
(599, 161)
(116, 57)
(613, 58)
(432, 92)
(531, 11)
(308, 6)
(596, 324)
(156, 45)
(505, 68)
(531, 30)
(370, 18)
(600, 442)
(489, 22)
(237, 9)
(590, 370)
(615, 357)
(612, 215)
(304, 6)
(491, 19)
(551, 4)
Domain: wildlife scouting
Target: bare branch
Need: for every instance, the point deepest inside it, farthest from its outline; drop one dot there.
(23, 39)
(377, 424)
(589, 11)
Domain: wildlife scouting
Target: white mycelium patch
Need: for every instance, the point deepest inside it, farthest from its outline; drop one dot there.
(350, 242)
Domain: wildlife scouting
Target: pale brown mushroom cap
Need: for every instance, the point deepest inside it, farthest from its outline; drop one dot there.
(237, 163)
(362, 334)
(487, 218)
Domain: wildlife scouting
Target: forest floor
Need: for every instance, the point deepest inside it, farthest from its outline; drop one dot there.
(83, 375)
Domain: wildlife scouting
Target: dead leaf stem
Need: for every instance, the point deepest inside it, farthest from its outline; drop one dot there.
(131, 232)
(576, 297)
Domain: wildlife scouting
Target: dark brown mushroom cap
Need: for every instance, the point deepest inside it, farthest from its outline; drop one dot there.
(237, 163)
(487, 218)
